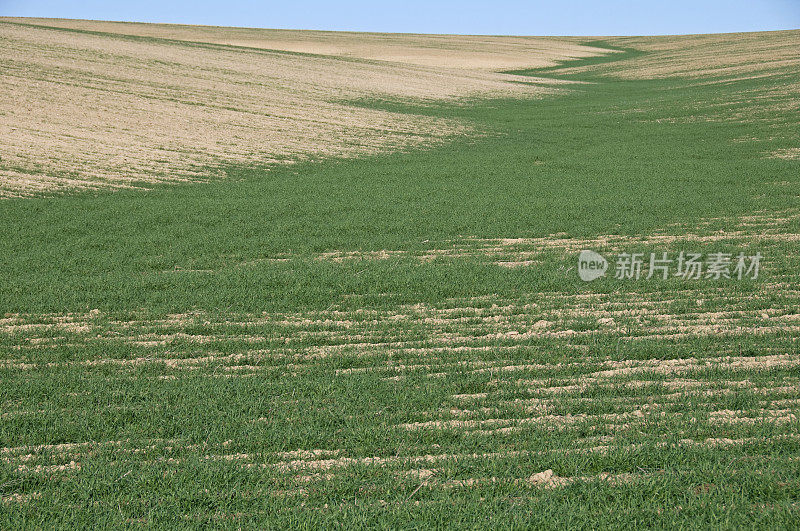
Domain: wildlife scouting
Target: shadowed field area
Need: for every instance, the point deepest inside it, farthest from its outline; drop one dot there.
(399, 336)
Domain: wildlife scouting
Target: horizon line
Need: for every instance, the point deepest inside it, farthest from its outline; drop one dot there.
(598, 36)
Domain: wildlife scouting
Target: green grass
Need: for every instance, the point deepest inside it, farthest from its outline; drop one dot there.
(579, 164)
(612, 157)
(618, 54)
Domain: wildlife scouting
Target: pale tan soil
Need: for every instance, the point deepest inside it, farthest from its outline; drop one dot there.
(19, 498)
(519, 394)
(49, 469)
(745, 55)
(103, 110)
(465, 327)
(286, 461)
(303, 467)
(546, 479)
(441, 51)
(89, 111)
(757, 228)
(429, 459)
(787, 154)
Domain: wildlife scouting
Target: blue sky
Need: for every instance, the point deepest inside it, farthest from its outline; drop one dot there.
(503, 17)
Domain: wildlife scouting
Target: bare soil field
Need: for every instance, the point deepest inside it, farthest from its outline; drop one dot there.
(166, 108)
(491, 53)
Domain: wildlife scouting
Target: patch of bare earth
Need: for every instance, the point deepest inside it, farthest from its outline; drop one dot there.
(84, 106)
(787, 154)
(764, 228)
(745, 55)
(388, 339)
(469, 52)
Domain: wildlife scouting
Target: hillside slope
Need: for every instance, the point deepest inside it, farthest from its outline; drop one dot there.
(92, 105)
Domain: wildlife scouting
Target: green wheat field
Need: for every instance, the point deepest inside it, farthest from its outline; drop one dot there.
(400, 337)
